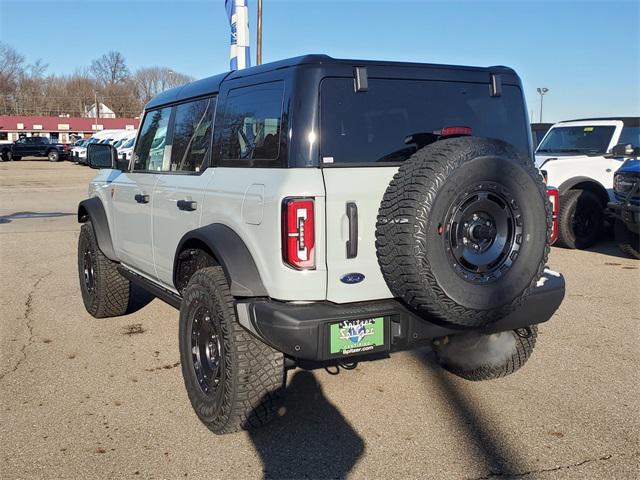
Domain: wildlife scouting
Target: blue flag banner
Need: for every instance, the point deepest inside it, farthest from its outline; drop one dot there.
(238, 13)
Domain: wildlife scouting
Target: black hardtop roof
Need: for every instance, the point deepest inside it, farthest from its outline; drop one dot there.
(627, 121)
(212, 84)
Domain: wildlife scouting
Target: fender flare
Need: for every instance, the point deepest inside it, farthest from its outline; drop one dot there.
(233, 256)
(93, 209)
(597, 187)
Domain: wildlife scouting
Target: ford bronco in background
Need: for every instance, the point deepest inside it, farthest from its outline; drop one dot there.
(579, 157)
(314, 212)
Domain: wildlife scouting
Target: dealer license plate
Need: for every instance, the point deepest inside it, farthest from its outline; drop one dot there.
(356, 336)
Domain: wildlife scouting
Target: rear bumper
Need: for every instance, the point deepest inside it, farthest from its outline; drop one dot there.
(302, 330)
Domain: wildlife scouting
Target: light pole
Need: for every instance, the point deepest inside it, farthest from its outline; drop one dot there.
(542, 91)
(259, 35)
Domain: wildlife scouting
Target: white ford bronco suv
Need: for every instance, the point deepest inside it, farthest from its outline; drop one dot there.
(580, 157)
(314, 212)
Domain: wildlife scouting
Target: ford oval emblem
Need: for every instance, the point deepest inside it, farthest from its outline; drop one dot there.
(352, 278)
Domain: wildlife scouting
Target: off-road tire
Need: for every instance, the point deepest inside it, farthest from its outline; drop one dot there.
(519, 347)
(110, 294)
(251, 374)
(570, 202)
(628, 241)
(53, 156)
(412, 253)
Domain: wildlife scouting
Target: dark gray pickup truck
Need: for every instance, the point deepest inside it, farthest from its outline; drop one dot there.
(35, 147)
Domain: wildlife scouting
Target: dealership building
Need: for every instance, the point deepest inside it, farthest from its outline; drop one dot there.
(59, 129)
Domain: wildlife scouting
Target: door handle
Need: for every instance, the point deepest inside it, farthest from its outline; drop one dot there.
(142, 198)
(187, 205)
(352, 243)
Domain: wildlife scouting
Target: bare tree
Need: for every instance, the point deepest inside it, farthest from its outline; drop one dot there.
(150, 81)
(110, 68)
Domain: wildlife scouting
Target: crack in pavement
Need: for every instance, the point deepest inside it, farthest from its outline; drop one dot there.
(602, 458)
(28, 309)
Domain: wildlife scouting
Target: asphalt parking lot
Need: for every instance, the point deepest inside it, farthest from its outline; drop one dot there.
(87, 398)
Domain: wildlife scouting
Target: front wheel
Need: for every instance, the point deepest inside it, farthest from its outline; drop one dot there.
(6, 156)
(53, 156)
(581, 219)
(474, 356)
(628, 241)
(233, 380)
(105, 292)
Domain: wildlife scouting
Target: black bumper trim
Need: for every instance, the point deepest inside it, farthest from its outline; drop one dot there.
(298, 330)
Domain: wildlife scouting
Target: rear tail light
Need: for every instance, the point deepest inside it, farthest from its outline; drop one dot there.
(298, 239)
(65, 147)
(554, 198)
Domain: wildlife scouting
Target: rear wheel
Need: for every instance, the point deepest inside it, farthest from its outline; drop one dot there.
(628, 241)
(581, 219)
(463, 230)
(475, 357)
(233, 380)
(105, 292)
(53, 156)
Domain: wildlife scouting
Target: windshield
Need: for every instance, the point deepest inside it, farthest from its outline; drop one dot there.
(394, 118)
(582, 140)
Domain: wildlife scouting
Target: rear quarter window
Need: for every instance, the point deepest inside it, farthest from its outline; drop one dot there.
(371, 127)
(252, 123)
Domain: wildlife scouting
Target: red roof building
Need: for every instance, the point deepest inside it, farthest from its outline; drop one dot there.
(61, 129)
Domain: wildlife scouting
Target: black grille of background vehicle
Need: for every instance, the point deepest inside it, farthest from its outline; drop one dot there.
(627, 188)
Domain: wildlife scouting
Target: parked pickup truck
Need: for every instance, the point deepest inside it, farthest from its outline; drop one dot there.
(35, 147)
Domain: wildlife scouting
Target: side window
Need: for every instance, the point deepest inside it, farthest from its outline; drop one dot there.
(21, 141)
(630, 135)
(251, 131)
(192, 131)
(149, 153)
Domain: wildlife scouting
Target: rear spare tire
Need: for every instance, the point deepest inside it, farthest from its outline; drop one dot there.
(463, 230)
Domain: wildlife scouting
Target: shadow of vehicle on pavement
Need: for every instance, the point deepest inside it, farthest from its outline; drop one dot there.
(27, 215)
(310, 439)
(500, 459)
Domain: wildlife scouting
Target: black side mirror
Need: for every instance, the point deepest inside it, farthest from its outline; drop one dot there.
(102, 155)
(624, 150)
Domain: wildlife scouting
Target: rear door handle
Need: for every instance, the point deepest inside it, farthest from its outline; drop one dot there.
(187, 205)
(352, 243)
(142, 198)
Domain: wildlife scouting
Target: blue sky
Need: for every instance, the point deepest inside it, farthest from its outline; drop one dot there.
(586, 52)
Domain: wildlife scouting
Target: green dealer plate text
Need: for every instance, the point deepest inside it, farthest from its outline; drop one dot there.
(356, 336)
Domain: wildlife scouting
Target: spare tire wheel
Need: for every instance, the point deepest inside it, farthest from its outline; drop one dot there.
(463, 230)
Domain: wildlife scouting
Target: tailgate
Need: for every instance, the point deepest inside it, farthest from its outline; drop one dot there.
(363, 187)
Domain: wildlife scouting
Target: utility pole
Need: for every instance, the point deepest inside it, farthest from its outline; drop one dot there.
(259, 35)
(542, 91)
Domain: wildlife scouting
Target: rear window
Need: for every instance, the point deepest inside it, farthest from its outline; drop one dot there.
(585, 139)
(374, 126)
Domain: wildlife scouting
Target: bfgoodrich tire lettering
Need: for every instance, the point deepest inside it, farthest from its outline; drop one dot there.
(245, 386)
(416, 229)
(105, 292)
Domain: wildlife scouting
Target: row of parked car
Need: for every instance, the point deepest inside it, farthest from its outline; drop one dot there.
(593, 163)
(122, 140)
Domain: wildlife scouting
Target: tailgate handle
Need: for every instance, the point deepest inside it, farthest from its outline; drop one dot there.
(352, 243)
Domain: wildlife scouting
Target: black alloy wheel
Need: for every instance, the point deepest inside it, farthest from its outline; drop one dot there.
(483, 233)
(206, 351)
(89, 270)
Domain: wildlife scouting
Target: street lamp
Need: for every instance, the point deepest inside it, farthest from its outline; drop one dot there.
(542, 91)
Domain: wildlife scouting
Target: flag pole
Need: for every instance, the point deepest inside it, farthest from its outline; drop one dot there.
(259, 35)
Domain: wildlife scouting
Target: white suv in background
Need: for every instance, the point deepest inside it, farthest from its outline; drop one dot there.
(577, 157)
